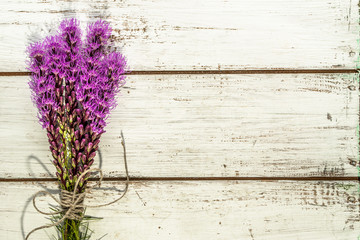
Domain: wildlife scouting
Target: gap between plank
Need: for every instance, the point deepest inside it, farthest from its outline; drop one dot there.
(137, 179)
(244, 71)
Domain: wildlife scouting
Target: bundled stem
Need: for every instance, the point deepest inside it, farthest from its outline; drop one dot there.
(74, 85)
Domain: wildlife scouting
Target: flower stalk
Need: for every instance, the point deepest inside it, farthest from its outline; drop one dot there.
(74, 83)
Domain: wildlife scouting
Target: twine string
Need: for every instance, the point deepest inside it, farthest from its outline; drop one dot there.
(72, 203)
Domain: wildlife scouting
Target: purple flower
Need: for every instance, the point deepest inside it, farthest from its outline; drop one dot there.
(70, 32)
(97, 37)
(74, 85)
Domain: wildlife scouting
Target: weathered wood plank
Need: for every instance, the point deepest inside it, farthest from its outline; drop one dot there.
(203, 210)
(205, 34)
(205, 126)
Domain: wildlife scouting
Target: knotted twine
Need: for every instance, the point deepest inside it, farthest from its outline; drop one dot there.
(72, 203)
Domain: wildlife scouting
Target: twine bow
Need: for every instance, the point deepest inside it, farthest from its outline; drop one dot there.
(72, 203)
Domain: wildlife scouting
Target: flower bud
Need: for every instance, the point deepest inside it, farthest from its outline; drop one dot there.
(78, 160)
(52, 130)
(54, 154)
(77, 145)
(96, 143)
(92, 155)
(75, 179)
(88, 128)
(64, 175)
(51, 138)
(78, 112)
(83, 159)
(91, 162)
(77, 134)
(73, 113)
(53, 144)
(86, 117)
(73, 152)
(70, 172)
(81, 183)
(73, 163)
(81, 128)
(87, 137)
(61, 163)
(89, 147)
(94, 136)
(58, 175)
(57, 92)
(70, 100)
(71, 118)
(72, 133)
(58, 169)
(47, 117)
(82, 144)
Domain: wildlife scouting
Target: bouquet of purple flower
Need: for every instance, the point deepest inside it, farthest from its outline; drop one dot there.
(74, 83)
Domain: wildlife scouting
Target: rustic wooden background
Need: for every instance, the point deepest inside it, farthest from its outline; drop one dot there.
(241, 119)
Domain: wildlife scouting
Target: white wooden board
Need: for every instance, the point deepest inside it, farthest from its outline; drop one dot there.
(203, 34)
(205, 126)
(203, 210)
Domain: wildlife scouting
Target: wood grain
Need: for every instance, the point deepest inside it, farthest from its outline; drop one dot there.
(198, 35)
(202, 210)
(205, 126)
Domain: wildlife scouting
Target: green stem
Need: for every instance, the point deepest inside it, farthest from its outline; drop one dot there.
(71, 230)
